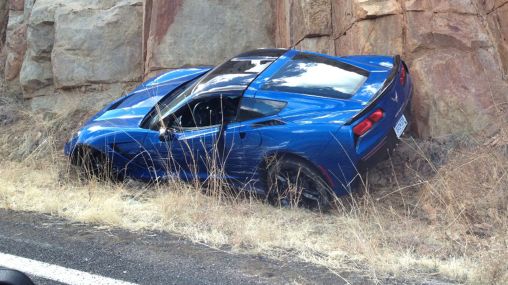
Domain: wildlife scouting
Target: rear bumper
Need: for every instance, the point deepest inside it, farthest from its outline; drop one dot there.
(380, 153)
(386, 146)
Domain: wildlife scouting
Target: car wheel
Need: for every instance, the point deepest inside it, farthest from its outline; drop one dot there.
(293, 182)
(94, 164)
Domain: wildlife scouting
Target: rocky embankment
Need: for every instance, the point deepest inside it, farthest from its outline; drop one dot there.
(77, 53)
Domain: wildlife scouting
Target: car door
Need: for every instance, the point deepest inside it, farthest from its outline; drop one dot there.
(243, 144)
(240, 151)
(188, 154)
(190, 149)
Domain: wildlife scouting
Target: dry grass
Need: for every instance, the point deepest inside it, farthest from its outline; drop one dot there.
(434, 211)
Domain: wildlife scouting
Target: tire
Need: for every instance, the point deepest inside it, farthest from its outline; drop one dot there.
(93, 164)
(293, 182)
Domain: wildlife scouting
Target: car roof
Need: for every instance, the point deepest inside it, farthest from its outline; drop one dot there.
(264, 52)
(237, 73)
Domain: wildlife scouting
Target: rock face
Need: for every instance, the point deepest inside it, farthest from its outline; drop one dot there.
(15, 45)
(498, 23)
(4, 21)
(457, 50)
(58, 45)
(197, 32)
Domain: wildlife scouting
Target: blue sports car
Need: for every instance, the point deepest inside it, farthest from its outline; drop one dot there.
(291, 125)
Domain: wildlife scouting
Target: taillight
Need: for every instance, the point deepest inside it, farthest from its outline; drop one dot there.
(363, 127)
(367, 124)
(403, 75)
(376, 116)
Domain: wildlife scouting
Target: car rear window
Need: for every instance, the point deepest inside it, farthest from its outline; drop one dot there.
(317, 75)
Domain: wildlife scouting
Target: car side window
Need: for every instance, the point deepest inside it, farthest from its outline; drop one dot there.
(252, 108)
(204, 112)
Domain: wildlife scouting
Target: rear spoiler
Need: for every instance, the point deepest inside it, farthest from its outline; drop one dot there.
(388, 83)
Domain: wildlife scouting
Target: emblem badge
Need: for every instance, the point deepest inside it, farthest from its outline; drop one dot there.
(396, 98)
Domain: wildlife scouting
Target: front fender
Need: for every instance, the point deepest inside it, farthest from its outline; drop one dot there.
(109, 140)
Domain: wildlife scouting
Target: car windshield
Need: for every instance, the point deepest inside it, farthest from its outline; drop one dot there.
(169, 103)
(235, 74)
(317, 75)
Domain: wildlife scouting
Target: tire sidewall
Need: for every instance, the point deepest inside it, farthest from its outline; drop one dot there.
(277, 165)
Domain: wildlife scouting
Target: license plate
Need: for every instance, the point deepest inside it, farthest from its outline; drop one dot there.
(400, 126)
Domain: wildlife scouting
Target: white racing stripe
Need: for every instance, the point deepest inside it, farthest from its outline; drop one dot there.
(55, 272)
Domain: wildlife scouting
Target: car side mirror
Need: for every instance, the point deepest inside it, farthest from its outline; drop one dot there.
(14, 277)
(166, 134)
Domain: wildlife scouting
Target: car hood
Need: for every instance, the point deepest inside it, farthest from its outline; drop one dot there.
(123, 117)
(129, 111)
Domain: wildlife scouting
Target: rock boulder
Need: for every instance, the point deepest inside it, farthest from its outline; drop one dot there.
(37, 71)
(94, 45)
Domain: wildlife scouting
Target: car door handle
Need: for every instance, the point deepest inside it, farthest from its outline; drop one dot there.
(268, 123)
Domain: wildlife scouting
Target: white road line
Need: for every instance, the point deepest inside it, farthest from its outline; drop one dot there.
(55, 272)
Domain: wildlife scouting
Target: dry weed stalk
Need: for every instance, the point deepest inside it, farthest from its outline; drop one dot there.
(451, 221)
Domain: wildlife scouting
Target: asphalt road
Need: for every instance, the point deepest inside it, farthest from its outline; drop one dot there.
(145, 258)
